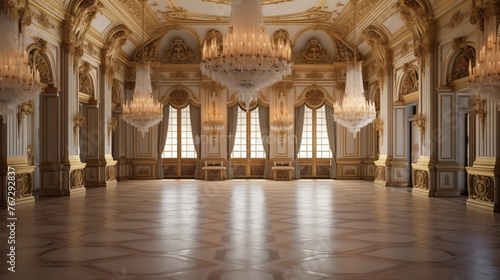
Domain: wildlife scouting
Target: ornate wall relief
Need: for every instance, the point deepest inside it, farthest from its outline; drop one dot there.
(116, 95)
(24, 185)
(110, 173)
(481, 188)
(313, 53)
(315, 97)
(379, 173)
(76, 179)
(420, 179)
(179, 53)
(179, 98)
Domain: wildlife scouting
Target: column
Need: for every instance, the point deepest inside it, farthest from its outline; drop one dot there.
(383, 169)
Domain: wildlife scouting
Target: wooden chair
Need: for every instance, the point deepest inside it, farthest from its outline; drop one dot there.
(215, 165)
(283, 166)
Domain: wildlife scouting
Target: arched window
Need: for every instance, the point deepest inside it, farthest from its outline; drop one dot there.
(179, 143)
(315, 143)
(248, 141)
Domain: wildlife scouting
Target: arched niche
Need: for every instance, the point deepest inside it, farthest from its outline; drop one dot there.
(40, 58)
(408, 84)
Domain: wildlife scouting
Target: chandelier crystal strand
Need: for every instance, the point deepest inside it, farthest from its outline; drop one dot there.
(485, 76)
(18, 82)
(250, 60)
(354, 111)
(143, 111)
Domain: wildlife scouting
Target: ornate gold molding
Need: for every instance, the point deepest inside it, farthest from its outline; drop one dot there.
(78, 122)
(378, 123)
(111, 127)
(23, 109)
(419, 120)
(478, 109)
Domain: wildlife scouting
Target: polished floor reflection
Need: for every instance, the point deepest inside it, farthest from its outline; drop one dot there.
(256, 230)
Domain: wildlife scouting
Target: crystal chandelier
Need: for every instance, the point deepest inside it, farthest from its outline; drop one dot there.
(250, 60)
(213, 123)
(485, 76)
(354, 111)
(18, 82)
(281, 123)
(143, 111)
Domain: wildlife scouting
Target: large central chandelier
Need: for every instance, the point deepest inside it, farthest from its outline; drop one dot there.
(354, 111)
(485, 76)
(18, 82)
(250, 60)
(143, 111)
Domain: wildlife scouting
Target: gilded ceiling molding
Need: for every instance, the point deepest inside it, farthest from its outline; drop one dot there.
(44, 21)
(418, 18)
(345, 26)
(313, 53)
(179, 53)
(179, 15)
(377, 41)
(112, 48)
(456, 20)
(134, 8)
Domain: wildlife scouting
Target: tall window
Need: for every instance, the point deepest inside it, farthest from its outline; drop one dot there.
(179, 143)
(315, 136)
(248, 141)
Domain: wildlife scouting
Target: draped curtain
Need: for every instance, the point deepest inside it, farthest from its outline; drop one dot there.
(232, 121)
(264, 134)
(195, 115)
(331, 128)
(298, 128)
(162, 138)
